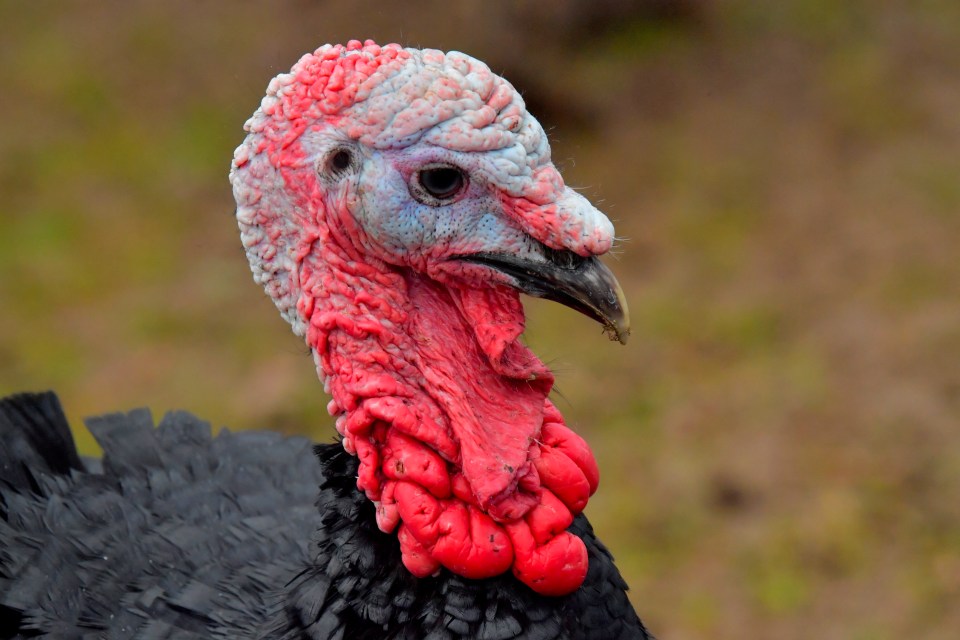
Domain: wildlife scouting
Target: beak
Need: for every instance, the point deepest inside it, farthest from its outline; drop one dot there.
(584, 284)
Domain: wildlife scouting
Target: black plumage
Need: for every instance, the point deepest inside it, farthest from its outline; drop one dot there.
(179, 534)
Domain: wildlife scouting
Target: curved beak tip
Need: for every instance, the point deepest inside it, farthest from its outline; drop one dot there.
(617, 320)
(619, 332)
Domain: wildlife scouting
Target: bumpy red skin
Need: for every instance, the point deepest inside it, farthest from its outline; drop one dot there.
(447, 411)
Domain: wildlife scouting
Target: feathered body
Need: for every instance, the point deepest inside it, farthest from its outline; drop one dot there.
(393, 203)
(178, 534)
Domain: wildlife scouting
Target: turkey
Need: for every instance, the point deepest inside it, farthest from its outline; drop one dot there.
(393, 203)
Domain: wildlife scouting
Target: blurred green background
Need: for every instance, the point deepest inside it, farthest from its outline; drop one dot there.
(779, 442)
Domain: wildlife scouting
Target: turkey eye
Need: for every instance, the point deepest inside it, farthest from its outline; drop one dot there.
(442, 182)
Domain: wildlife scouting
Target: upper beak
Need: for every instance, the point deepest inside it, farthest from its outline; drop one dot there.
(584, 284)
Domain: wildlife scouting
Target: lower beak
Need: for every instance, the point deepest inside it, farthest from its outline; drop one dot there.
(584, 284)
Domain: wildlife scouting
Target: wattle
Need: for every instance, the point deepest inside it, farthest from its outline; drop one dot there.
(448, 413)
(493, 417)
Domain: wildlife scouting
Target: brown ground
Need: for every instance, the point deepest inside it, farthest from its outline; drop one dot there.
(780, 441)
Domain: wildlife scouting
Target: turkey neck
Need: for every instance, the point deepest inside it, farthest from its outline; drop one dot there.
(439, 363)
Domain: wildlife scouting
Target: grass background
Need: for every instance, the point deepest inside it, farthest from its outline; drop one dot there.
(779, 442)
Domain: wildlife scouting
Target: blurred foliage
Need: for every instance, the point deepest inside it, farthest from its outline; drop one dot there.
(779, 441)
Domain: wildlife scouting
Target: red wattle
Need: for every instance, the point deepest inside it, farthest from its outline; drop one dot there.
(471, 543)
(415, 557)
(448, 414)
(553, 569)
(407, 459)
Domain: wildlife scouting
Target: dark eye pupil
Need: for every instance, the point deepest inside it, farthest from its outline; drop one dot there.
(441, 182)
(340, 160)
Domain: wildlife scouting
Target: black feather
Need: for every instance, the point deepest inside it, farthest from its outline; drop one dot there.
(249, 535)
(35, 439)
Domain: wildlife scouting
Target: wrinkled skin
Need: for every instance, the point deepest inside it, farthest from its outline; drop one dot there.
(447, 411)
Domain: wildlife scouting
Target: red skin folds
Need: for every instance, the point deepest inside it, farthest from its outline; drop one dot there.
(415, 556)
(562, 476)
(557, 435)
(549, 559)
(407, 459)
(459, 536)
(388, 516)
(566, 465)
(459, 446)
(412, 435)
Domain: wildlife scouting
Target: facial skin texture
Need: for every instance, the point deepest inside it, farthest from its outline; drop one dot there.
(459, 446)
